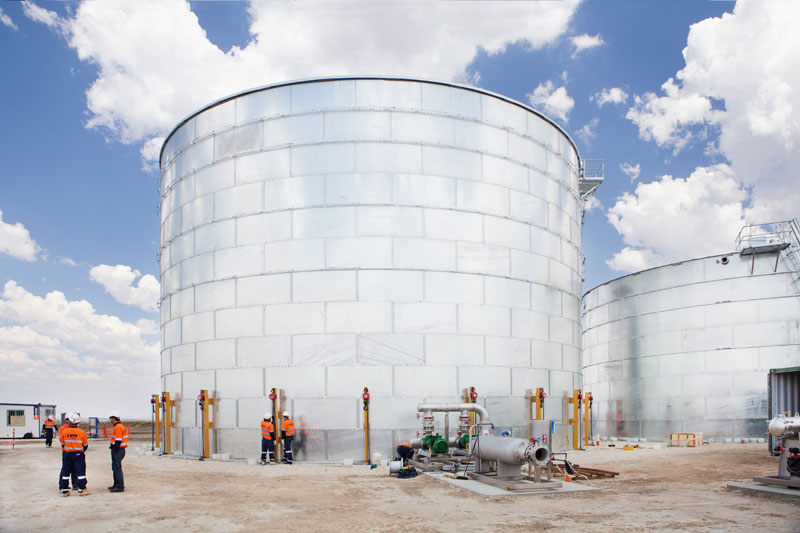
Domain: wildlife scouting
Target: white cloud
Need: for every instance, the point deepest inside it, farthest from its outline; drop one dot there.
(591, 203)
(588, 132)
(747, 62)
(553, 101)
(631, 170)
(16, 241)
(43, 16)
(67, 261)
(118, 281)
(674, 219)
(87, 360)
(156, 64)
(6, 20)
(614, 95)
(585, 42)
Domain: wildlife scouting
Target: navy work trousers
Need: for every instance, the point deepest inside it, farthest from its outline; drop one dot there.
(48, 437)
(287, 448)
(117, 455)
(72, 463)
(74, 474)
(267, 446)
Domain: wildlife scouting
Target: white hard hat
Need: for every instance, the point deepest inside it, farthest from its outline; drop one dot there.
(72, 417)
(267, 416)
(286, 414)
(50, 417)
(114, 414)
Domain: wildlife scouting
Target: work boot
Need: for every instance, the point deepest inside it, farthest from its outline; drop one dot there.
(65, 493)
(262, 462)
(84, 492)
(74, 488)
(117, 489)
(111, 487)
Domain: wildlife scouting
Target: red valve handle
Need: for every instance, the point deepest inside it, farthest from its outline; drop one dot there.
(365, 396)
(473, 395)
(200, 397)
(163, 398)
(272, 395)
(542, 395)
(153, 401)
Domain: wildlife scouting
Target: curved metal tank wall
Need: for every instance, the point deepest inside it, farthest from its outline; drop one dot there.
(687, 347)
(326, 235)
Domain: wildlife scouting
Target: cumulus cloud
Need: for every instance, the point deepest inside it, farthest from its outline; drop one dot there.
(6, 20)
(614, 95)
(67, 261)
(585, 42)
(673, 219)
(16, 241)
(554, 102)
(56, 350)
(591, 203)
(588, 132)
(746, 62)
(631, 170)
(118, 281)
(156, 64)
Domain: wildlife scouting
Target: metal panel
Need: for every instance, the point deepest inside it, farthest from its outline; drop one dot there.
(453, 225)
(485, 259)
(333, 94)
(329, 413)
(239, 322)
(482, 197)
(451, 162)
(263, 104)
(323, 222)
(214, 237)
(358, 189)
(240, 200)
(489, 381)
(323, 286)
(529, 209)
(359, 317)
(524, 379)
(211, 179)
(376, 157)
(530, 324)
(390, 285)
(251, 413)
(451, 350)
(393, 413)
(454, 288)
(198, 327)
(216, 354)
(526, 151)
(182, 358)
(425, 317)
(349, 381)
(417, 381)
(297, 381)
(481, 137)
(243, 139)
(432, 191)
(266, 227)
(242, 260)
(504, 232)
(182, 303)
(361, 252)
(294, 130)
(418, 128)
(546, 354)
(294, 255)
(424, 254)
(528, 266)
(289, 193)
(257, 290)
(390, 349)
(198, 212)
(172, 333)
(483, 320)
(392, 221)
(294, 318)
(263, 166)
(323, 158)
(442, 99)
(497, 111)
(216, 118)
(388, 94)
(505, 173)
(234, 383)
(263, 352)
(313, 350)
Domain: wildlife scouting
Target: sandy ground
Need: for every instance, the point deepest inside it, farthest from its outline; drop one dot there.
(668, 489)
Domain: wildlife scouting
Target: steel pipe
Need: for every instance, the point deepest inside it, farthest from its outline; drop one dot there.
(782, 425)
(510, 451)
(451, 407)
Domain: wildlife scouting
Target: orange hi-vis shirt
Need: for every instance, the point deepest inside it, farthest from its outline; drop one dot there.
(73, 439)
(288, 428)
(266, 429)
(49, 423)
(61, 430)
(119, 434)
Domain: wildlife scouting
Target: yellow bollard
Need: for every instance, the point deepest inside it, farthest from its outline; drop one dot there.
(365, 397)
(155, 400)
(206, 402)
(576, 418)
(168, 405)
(587, 416)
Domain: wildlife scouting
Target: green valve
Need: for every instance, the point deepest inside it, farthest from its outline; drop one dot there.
(463, 441)
(440, 446)
(428, 440)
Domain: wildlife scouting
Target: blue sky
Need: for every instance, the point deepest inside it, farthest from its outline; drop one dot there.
(696, 115)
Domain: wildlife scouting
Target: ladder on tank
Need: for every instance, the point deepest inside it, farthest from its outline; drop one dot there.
(781, 237)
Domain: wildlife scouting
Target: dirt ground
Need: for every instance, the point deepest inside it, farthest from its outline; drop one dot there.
(667, 489)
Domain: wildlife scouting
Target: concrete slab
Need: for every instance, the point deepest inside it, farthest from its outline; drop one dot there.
(770, 491)
(489, 491)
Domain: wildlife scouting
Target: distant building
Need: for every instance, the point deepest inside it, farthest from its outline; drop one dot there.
(24, 418)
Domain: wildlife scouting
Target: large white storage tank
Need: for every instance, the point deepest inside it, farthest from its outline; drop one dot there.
(687, 347)
(325, 235)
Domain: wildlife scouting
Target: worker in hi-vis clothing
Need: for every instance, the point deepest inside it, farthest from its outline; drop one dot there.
(74, 444)
(64, 427)
(287, 432)
(119, 441)
(49, 429)
(267, 440)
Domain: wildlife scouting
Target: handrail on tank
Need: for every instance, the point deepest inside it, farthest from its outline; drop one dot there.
(782, 232)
